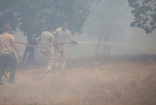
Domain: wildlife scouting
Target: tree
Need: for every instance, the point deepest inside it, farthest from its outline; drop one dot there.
(33, 16)
(144, 12)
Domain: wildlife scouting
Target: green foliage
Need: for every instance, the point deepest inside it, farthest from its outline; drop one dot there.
(144, 12)
(34, 16)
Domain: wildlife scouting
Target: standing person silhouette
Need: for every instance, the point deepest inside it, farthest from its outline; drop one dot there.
(7, 56)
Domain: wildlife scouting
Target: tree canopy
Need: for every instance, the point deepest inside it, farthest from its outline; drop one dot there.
(33, 16)
(144, 12)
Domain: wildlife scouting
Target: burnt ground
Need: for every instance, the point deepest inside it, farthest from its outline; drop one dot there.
(117, 80)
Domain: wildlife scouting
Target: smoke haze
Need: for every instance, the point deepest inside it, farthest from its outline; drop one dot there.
(111, 19)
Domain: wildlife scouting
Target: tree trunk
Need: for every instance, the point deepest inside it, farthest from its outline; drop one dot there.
(25, 55)
(29, 51)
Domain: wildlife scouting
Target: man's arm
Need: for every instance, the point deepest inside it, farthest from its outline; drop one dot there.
(71, 39)
(69, 36)
(15, 47)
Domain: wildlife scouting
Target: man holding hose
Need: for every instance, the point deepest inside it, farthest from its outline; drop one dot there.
(61, 34)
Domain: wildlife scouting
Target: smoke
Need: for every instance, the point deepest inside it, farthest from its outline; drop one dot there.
(109, 21)
(19, 36)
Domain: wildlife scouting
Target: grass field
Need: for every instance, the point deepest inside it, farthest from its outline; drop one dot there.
(87, 81)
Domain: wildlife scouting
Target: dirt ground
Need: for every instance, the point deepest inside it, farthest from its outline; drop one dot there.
(85, 82)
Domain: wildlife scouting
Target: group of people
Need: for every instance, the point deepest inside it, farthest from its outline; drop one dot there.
(56, 60)
(58, 38)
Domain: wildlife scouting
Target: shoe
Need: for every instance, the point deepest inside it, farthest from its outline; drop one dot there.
(49, 67)
(63, 65)
(57, 66)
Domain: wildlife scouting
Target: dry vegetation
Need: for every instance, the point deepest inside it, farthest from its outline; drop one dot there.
(87, 81)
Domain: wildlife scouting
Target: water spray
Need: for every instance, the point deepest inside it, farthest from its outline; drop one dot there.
(104, 43)
(121, 44)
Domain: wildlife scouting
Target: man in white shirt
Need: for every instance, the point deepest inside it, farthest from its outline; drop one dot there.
(61, 35)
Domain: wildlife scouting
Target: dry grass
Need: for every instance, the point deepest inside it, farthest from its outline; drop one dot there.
(85, 82)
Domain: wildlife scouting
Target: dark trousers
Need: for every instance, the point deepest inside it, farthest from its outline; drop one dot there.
(8, 60)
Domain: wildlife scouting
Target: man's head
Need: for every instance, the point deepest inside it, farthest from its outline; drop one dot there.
(64, 26)
(7, 27)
